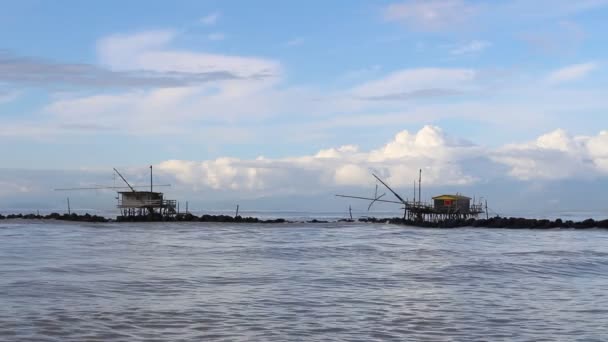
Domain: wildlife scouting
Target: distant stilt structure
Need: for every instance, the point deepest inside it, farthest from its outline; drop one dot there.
(350, 212)
(444, 207)
(133, 202)
(141, 203)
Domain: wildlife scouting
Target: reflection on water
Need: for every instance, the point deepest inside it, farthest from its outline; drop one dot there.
(201, 282)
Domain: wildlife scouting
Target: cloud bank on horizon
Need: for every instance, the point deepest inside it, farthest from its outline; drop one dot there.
(446, 161)
(234, 98)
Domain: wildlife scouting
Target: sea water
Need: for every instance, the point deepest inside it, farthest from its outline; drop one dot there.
(299, 282)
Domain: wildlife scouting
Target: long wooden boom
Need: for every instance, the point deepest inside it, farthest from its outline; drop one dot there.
(108, 187)
(368, 199)
(123, 178)
(391, 190)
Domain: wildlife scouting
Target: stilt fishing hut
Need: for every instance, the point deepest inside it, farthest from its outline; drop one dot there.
(140, 203)
(132, 202)
(444, 207)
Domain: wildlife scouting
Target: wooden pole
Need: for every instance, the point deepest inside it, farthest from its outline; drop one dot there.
(487, 214)
(420, 186)
(350, 211)
(69, 210)
(237, 211)
(186, 207)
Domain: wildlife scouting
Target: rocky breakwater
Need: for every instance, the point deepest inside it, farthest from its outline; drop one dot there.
(194, 218)
(495, 222)
(55, 216)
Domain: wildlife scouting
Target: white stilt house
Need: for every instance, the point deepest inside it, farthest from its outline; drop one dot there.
(140, 203)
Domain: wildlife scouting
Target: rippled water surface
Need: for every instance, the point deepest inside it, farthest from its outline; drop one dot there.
(301, 282)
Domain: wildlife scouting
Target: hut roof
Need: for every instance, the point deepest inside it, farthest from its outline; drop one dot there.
(139, 192)
(451, 197)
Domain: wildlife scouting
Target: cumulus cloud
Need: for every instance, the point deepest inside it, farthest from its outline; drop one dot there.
(398, 161)
(571, 73)
(430, 15)
(556, 155)
(445, 160)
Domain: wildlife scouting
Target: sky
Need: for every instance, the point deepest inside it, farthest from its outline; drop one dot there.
(282, 104)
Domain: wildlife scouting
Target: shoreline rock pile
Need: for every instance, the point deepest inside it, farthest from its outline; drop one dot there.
(55, 216)
(494, 222)
(194, 218)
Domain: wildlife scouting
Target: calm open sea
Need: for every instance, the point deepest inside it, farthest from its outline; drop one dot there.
(299, 282)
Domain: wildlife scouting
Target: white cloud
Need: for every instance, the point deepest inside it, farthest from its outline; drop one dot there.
(556, 155)
(445, 161)
(472, 47)
(597, 147)
(21, 71)
(338, 152)
(183, 111)
(118, 50)
(210, 19)
(397, 161)
(351, 174)
(145, 112)
(571, 73)
(421, 82)
(254, 107)
(222, 173)
(150, 51)
(247, 110)
(167, 110)
(431, 15)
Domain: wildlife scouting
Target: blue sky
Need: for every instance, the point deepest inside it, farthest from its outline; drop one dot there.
(252, 97)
